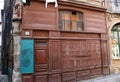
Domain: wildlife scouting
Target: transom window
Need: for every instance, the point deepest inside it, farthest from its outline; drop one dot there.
(115, 40)
(70, 20)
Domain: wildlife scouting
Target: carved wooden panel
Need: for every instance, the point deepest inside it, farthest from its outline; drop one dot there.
(105, 58)
(67, 55)
(96, 72)
(41, 56)
(39, 33)
(54, 57)
(83, 63)
(69, 77)
(55, 78)
(82, 75)
(106, 70)
(27, 78)
(94, 49)
(41, 78)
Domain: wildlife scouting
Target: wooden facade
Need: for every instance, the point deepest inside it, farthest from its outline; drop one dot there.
(65, 56)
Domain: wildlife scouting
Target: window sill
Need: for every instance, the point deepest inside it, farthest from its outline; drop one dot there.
(82, 31)
(116, 58)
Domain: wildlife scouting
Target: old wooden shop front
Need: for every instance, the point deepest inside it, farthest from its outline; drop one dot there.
(69, 42)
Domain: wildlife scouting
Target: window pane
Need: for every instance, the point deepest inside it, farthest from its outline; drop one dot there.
(112, 34)
(61, 24)
(115, 35)
(74, 25)
(79, 16)
(67, 15)
(79, 25)
(67, 25)
(73, 16)
(70, 21)
(115, 47)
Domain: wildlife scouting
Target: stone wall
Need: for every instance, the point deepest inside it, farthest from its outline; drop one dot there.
(112, 19)
(17, 38)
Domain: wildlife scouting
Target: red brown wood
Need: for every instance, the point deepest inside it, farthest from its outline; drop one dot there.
(55, 78)
(54, 58)
(41, 56)
(27, 78)
(41, 78)
(82, 75)
(65, 56)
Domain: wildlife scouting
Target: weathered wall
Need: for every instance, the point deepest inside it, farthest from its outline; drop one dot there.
(112, 19)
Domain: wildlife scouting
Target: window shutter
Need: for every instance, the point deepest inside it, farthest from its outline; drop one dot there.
(27, 56)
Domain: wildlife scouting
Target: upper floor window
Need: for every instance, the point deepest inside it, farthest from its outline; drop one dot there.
(116, 3)
(70, 20)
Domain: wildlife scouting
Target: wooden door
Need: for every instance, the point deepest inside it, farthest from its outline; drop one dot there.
(41, 56)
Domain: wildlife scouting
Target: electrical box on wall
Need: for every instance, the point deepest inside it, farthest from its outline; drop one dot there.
(27, 56)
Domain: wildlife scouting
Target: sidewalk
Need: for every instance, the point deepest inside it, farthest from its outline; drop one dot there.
(108, 78)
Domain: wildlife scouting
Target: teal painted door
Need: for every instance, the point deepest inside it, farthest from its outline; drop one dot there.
(27, 56)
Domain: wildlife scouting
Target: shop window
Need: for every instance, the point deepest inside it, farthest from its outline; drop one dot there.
(115, 40)
(70, 20)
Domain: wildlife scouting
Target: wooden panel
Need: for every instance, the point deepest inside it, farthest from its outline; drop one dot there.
(95, 22)
(54, 56)
(27, 33)
(41, 56)
(43, 78)
(82, 63)
(69, 77)
(36, 16)
(67, 34)
(82, 75)
(106, 70)
(68, 55)
(54, 34)
(105, 57)
(96, 72)
(93, 35)
(55, 78)
(27, 78)
(38, 33)
(93, 48)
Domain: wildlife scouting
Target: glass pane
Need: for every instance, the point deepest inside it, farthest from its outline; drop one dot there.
(112, 34)
(79, 16)
(74, 16)
(79, 25)
(61, 24)
(41, 43)
(60, 15)
(115, 34)
(115, 47)
(67, 25)
(74, 25)
(67, 15)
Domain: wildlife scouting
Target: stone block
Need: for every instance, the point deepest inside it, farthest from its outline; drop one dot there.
(3, 78)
